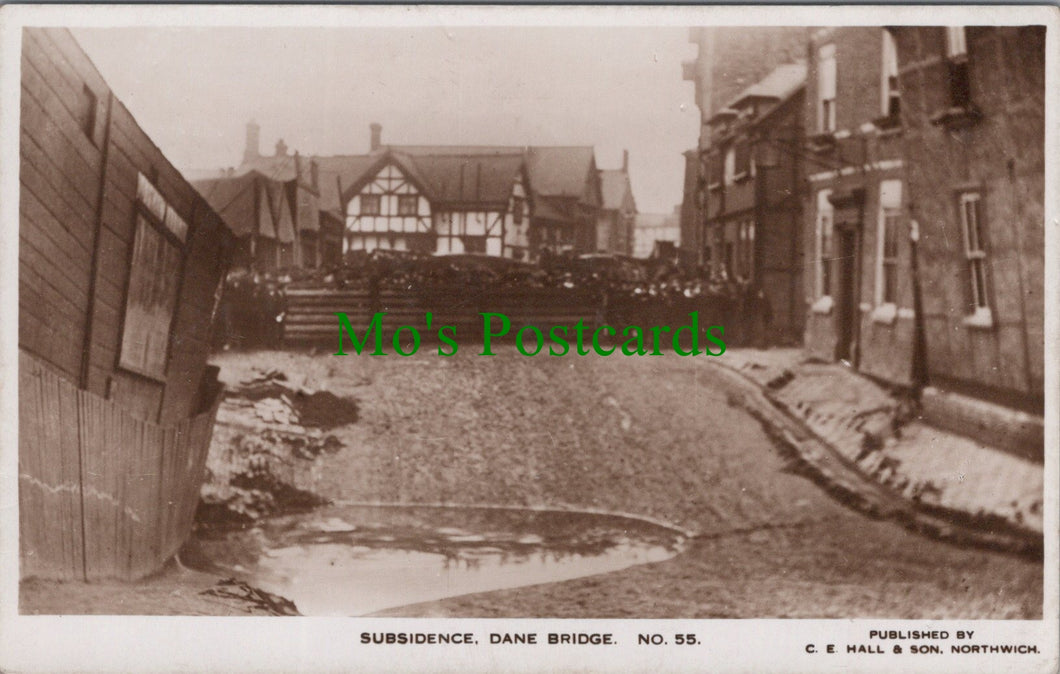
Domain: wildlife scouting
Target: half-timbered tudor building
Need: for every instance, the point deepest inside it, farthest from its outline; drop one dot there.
(440, 200)
(387, 208)
(446, 199)
(121, 266)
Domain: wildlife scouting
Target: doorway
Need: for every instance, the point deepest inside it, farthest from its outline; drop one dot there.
(846, 287)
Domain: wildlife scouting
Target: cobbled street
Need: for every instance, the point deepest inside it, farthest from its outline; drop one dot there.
(652, 436)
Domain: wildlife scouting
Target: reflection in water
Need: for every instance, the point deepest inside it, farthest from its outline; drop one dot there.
(355, 560)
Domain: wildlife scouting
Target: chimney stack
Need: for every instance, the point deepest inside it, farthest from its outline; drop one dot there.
(377, 136)
(251, 150)
(625, 160)
(281, 148)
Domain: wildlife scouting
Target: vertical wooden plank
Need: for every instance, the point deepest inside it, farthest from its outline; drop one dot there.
(151, 485)
(165, 497)
(30, 500)
(177, 533)
(186, 431)
(98, 527)
(198, 434)
(70, 492)
(116, 452)
(49, 478)
(135, 500)
(177, 495)
(126, 469)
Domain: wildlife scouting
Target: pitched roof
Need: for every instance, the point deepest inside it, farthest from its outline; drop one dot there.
(472, 181)
(779, 84)
(614, 185)
(455, 175)
(233, 199)
(555, 209)
(468, 180)
(281, 212)
(283, 167)
(339, 170)
(560, 171)
(417, 150)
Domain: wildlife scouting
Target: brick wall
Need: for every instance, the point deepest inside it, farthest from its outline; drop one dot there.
(1002, 157)
(861, 158)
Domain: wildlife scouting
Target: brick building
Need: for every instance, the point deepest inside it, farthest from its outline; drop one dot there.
(858, 288)
(728, 61)
(751, 231)
(973, 127)
(690, 210)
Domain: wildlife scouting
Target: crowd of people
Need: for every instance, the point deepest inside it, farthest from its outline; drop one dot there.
(628, 290)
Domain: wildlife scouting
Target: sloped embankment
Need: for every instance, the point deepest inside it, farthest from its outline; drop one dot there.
(269, 433)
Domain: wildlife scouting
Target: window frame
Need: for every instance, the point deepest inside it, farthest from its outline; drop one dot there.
(890, 94)
(741, 160)
(956, 42)
(958, 75)
(977, 283)
(377, 199)
(517, 210)
(887, 236)
(403, 202)
(827, 83)
(822, 266)
(729, 176)
(716, 169)
(144, 220)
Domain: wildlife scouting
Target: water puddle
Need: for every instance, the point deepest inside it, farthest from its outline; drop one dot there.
(356, 560)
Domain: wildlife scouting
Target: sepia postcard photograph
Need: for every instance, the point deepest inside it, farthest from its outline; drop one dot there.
(529, 339)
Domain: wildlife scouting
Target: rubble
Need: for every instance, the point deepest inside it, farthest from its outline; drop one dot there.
(272, 604)
(267, 428)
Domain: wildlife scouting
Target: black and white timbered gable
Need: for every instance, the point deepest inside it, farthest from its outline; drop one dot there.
(387, 208)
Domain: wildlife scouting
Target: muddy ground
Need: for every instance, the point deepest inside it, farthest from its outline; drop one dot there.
(654, 436)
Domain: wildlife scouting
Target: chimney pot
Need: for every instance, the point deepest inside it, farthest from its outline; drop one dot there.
(251, 150)
(281, 148)
(377, 136)
(625, 160)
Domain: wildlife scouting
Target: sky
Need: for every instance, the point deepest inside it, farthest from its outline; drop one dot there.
(194, 89)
